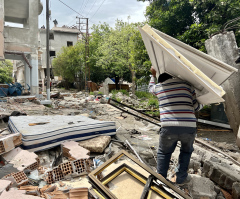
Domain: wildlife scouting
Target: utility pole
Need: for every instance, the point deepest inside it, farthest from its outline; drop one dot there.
(86, 37)
(47, 49)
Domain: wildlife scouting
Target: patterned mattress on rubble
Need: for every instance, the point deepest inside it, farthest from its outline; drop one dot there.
(44, 132)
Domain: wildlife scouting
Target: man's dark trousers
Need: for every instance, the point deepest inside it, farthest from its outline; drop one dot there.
(169, 136)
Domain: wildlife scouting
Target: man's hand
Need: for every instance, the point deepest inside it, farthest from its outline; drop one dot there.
(153, 71)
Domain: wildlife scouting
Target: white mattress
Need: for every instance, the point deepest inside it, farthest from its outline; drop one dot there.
(60, 128)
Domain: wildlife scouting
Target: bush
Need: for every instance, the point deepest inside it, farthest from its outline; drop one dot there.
(100, 93)
(91, 93)
(142, 94)
(153, 102)
(125, 92)
(153, 113)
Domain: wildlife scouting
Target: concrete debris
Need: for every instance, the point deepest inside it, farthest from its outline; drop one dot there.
(97, 144)
(236, 190)
(22, 159)
(18, 179)
(68, 170)
(60, 172)
(201, 187)
(73, 151)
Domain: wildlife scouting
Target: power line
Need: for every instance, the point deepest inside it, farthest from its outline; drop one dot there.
(91, 7)
(97, 9)
(74, 10)
(71, 8)
(84, 6)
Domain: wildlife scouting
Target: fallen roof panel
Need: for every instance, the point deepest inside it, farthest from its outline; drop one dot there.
(204, 72)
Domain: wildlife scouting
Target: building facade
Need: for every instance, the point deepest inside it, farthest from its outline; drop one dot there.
(21, 43)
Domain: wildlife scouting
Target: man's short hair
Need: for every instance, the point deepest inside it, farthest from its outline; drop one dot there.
(163, 77)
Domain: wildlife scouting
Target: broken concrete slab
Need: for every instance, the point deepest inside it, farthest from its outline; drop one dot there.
(97, 144)
(225, 177)
(73, 151)
(201, 187)
(59, 129)
(21, 159)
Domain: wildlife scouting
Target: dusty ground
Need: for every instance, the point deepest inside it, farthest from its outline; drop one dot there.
(143, 136)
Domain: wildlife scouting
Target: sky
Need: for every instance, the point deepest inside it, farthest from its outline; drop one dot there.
(96, 10)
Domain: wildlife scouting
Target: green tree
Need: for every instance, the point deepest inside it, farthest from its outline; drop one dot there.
(192, 21)
(97, 73)
(122, 51)
(70, 62)
(6, 69)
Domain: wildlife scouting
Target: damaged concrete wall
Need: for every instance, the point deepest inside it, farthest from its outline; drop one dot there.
(23, 39)
(58, 40)
(224, 48)
(1, 30)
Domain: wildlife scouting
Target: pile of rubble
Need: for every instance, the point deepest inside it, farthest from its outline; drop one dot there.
(95, 167)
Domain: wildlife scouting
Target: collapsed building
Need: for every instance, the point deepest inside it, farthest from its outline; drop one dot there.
(21, 43)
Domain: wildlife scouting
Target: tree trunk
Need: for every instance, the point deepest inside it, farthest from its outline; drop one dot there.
(133, 81)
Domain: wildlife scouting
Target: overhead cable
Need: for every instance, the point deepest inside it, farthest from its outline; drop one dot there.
(91, 7)
(74, 10)
(97, 9)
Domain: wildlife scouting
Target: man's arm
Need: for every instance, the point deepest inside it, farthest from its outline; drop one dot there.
(196, 105)
(151, 86)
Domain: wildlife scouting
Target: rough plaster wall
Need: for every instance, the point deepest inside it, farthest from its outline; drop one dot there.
(1, 29)
(60, 40)
(24, 39)
(224, 48)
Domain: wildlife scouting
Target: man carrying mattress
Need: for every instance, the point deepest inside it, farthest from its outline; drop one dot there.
(177, 106)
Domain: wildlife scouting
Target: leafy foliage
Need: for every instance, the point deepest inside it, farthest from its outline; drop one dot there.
(6, 69)
(70, 62)
(142, 94)
(122, 51)
(125, 92)
(192, 21)
(153, 102)
(117, 51)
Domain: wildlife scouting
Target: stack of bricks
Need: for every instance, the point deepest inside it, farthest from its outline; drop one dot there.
(35, 165)
(77, 167)
(2, 149)
(9, 142)
(19, 177)
(66, 168)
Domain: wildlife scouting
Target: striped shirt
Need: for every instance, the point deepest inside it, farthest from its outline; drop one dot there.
(177, 102)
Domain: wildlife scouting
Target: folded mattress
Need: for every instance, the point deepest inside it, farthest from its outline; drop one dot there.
(46, 132)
